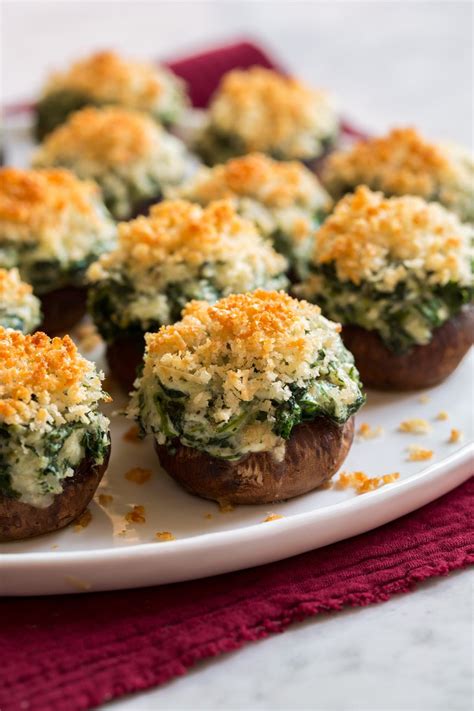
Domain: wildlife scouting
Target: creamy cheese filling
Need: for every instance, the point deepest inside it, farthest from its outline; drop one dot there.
(237, 377)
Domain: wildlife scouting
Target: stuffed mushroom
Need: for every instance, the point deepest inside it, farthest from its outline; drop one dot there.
(130, 156)
(405, 163)
(284, 199)
(250, 400)
(52, 226)
(396, 272)
(19, 307)
(54, 441)
(105, 78)
(258, 109)
(180, 252)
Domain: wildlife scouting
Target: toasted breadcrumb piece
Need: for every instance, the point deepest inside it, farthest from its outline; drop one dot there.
(416, 425)
(208, 516)
(83, 521)
(163, 536)
(54, 547)
(136, 515)
(418, 454)
(455, 436)
(132, 434)
(138, 475)
(365, 431)
(442, 415)
(105, 499)
(328, 484)
(363, 483)
(272, 517)
(225, 507)
(423, 399)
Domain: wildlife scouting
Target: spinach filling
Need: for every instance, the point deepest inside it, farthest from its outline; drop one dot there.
(33, 465)
(113, 302)
(403, 318)
(54, 108)
(165, 410)
(44, 274)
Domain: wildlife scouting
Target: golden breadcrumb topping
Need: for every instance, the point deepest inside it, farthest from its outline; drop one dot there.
(400, 163)
(442, 415)
(105, 499)
(132, 435)
(363, 483)
(107, 77)
(258, 324)
(110, 135)
(177, 231)
(44, 380)
(38, 200)
(455, 436)
(416, 425)
(369, 237)
(12, 289)
(271, 112)
(273, 183)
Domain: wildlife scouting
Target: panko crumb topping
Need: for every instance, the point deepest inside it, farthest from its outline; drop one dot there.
(177, 231)
(13, 290)
(257, 325)
(369, 237)
(270, 112)
(403, 163)
(83, 521)
(109, 78)
(455, 436)
(273, 183)
(34, 202)
(136, 515)
(110, 136)
(45, 381)
(272, 517)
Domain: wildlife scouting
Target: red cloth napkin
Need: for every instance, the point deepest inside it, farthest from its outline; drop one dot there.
(76, 652)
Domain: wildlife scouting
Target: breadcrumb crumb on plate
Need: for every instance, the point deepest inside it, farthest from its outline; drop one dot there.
(136, 515)
(272, 517)
(419, 454)
(164, 536)
(138, 475)
(83, 521)
(366, 431)
(416, 425)
(362, 483)
(455, 436)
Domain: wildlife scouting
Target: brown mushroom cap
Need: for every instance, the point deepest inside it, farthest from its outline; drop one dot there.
(19, 520)
(62, 309)
(313, 454)
(421, 366)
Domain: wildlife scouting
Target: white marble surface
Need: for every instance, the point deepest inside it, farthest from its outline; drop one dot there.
(388, 62)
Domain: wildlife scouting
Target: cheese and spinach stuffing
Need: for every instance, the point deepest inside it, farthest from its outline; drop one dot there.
(399, 266)
(49, 416)
(284, 199)
(19, 308)
(105, 78)
(52, 226)
(236, 377)
(128, 154)
(405, 163)
(258, 109)
(180, 252)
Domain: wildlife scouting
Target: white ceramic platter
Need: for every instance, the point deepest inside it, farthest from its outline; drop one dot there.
(111, 553)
